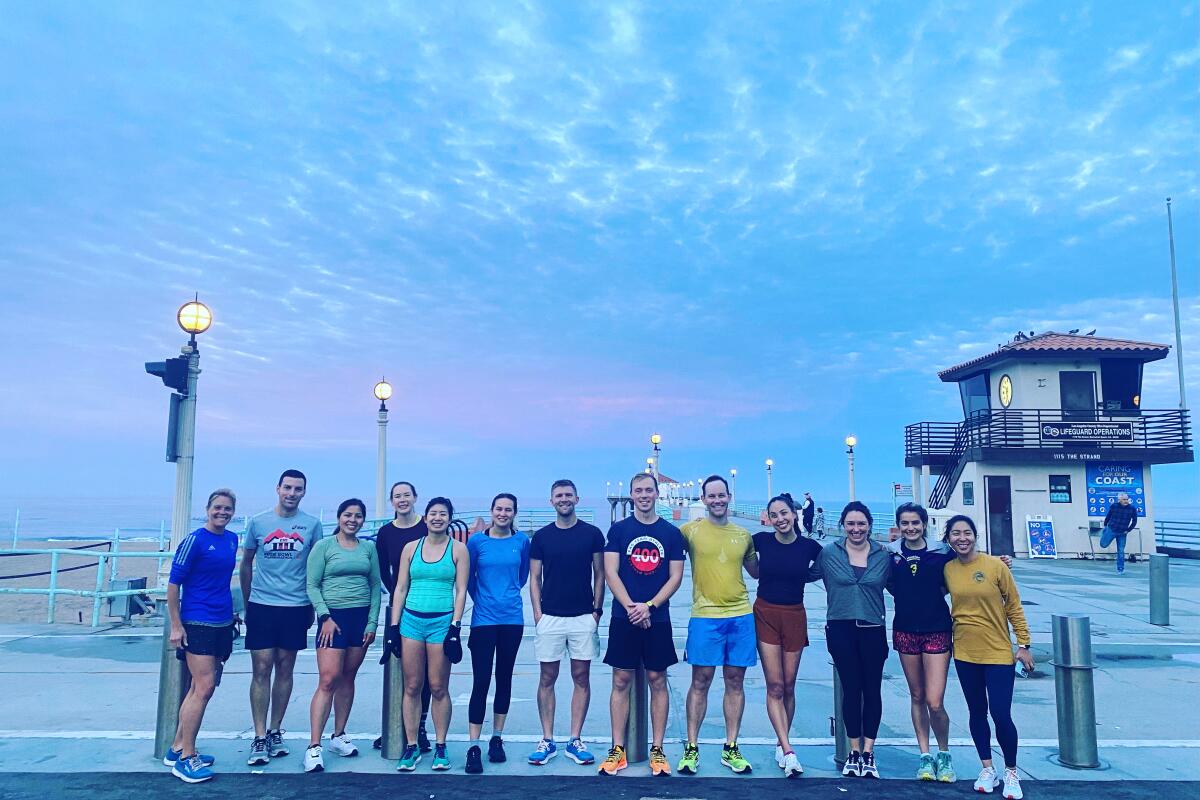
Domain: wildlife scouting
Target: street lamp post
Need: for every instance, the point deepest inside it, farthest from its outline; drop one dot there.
(851, 440)
(770, 463)
(383, 391)
(733, 488)
(193, 317)
(655, 441)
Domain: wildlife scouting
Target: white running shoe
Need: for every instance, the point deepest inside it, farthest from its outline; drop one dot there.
(791, 766)
(1012, 785)
(987, 781)
(312, 759)
(779, 756)
(342, 746)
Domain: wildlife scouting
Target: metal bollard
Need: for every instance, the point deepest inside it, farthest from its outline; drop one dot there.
(173, 683)
(636, 728)
(837, 728)
(392, 746)
(1073, 691)
(1160, 589)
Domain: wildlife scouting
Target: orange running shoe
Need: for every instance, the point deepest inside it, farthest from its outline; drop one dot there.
(615, 762)
(658, 762)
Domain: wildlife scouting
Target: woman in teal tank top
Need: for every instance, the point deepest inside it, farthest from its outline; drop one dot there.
(427, 607)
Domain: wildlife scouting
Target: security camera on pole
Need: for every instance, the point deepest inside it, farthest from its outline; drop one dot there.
(181, 374)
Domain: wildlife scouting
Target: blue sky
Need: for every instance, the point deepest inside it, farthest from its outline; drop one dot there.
(560, 227)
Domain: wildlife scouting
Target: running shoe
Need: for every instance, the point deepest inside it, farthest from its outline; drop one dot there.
(614, 763)
(779, 755)
(423, 740)
(690, 763)
(731, 757)
(496, 753)
(440, 760)
(543, 753)
(987, 781)
(275, 746)
(868, 768)
(945, 767)
(474, 760)
(192, 769)
(578, 752)
(853, 766)
(312, 759)
(342, 745)
(258, 752)
(791, 766)
(1012, 785)
(378, 743)
(409, 759)
(658, 762)
(173, 755)
(927, 771)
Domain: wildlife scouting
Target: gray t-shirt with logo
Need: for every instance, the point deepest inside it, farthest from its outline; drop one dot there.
(281, 564)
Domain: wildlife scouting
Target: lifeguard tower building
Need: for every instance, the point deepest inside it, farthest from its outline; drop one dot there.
(1052, 431)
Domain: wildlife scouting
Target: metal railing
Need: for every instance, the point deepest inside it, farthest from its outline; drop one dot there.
(1171, 535)
(528, 520)
(753, 511)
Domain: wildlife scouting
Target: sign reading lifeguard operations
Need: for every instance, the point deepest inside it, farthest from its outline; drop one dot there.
(1107, 479)
(1087, 431)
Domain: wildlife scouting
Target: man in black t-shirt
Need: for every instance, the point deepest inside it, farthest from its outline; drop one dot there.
(643, 562)
(566, 590)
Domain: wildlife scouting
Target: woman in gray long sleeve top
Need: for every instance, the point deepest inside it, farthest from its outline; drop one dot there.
(855, 571)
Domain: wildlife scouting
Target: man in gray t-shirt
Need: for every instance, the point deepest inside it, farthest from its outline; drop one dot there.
(278, 614)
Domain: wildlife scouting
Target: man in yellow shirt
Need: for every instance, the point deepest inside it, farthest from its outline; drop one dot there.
(721, 630)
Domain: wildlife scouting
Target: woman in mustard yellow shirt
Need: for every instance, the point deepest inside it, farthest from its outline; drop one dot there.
(985, 602)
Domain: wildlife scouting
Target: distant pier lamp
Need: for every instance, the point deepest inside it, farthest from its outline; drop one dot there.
(851, 441)
(770, 464)
(383, 393)
(655, 441)
(733, 488)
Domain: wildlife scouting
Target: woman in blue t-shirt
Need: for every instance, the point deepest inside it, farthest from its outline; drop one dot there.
(499, 569)
(201, 625)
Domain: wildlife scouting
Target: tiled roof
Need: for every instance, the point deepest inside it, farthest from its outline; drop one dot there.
(1061, 345)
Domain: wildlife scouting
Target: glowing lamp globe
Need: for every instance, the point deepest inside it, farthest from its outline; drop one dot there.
(194, 317)
(383, 391)
(851, 440)
(656, 440)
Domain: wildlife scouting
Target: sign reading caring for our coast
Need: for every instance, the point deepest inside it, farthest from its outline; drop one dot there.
(1087, 431)
(1107, 479)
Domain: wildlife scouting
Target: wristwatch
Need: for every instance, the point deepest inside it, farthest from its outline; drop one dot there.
(598, 610)
(649, 604)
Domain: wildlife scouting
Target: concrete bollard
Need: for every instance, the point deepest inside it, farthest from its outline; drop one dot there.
(1160, 589)
(1074, 693)
(173, 683)
(837, 729)
(392, 746)
(636, 728)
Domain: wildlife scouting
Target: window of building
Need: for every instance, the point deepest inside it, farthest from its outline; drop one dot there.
(975, 397)
(1121, 382)
(968, 493)
(1060, 488)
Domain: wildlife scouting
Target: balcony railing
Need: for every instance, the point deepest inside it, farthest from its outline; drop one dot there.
(1048, 429)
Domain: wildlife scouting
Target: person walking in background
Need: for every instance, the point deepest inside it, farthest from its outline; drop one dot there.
(406, 527)
(343, 587)
(819, 523)
(1118, 522)
(855, 570)
(808, 511)
(643, 563)
(201, 626)
(985, 603)
(721, 630)
(784, 563)
(426, 621)
(273, 576)
(566, 591)
(499, 569)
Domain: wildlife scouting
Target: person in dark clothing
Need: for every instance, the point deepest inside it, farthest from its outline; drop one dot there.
(808, 510)
(1118, 522)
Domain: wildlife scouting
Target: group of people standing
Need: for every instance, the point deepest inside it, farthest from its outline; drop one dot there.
(427, 576)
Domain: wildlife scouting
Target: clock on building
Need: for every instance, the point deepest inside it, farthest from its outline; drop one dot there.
(1006, 391)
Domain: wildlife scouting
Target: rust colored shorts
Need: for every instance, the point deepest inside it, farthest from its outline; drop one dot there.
(914, 644)
(784, 626)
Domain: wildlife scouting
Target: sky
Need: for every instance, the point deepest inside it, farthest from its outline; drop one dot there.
(557, 228)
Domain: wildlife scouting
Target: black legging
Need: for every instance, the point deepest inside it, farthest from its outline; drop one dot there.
(488, 642)
(859, 654)
(990, 687)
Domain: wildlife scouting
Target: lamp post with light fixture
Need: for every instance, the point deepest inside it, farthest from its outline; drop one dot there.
(770, 463)
(181, 374)
(656, 452)
(383, 392)
(851, 441)
(733, 488)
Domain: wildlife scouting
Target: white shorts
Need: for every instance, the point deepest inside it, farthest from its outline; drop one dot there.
(577, 637)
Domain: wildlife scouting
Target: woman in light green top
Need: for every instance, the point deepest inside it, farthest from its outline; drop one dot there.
(343, 586)
(427, 609)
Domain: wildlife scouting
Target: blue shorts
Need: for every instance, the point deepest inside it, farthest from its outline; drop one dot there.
(723, 642)
(425, 629)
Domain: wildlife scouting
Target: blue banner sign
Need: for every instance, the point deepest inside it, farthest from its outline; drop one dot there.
(1107, 479)
(1041, 538)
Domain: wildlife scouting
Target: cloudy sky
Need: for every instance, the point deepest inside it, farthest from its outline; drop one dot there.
(559, 227)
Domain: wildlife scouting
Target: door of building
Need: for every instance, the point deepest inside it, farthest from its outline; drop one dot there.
(999, 515)
(1077, 392)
